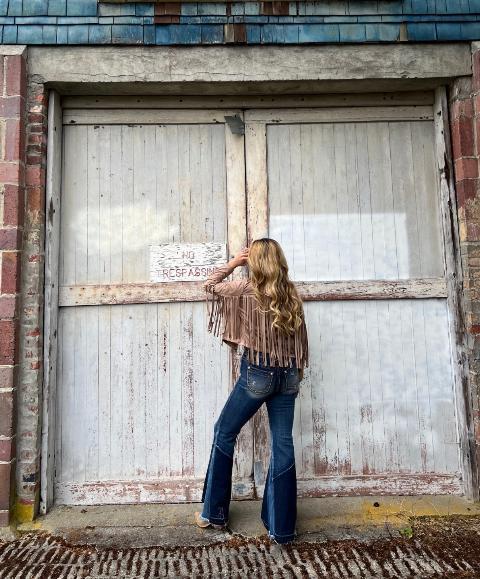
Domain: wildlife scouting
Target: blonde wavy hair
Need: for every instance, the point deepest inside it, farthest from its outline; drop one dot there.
(272, 287)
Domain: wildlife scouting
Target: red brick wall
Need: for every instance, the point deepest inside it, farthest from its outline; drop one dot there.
(465, 130)
(12, 188)
(31, 313)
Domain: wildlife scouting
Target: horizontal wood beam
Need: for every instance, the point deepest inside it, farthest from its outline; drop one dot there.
(269, 101)
(175, 490)
(139, 293)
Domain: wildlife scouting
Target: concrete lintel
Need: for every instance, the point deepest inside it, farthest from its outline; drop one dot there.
(12, 49)
(135, 66)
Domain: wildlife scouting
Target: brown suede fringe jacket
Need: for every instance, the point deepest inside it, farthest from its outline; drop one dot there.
(234, 311)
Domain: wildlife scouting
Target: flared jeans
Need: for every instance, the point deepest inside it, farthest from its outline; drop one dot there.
(278, 387)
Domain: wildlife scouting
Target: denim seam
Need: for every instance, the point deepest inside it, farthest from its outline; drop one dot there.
(284, 471)
(223, 452)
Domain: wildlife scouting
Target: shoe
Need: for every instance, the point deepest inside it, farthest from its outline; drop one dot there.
(203, 523)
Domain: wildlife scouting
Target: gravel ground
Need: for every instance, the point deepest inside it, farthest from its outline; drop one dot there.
(440, 547)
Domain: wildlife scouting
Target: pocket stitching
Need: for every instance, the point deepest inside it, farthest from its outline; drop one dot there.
(294, 387)
(261, 371)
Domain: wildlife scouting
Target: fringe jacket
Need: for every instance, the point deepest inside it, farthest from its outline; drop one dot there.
(234, 312)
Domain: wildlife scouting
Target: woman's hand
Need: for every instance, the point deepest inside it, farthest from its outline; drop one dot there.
(240, 258)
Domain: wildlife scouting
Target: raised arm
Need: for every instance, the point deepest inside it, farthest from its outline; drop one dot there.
(214, 283)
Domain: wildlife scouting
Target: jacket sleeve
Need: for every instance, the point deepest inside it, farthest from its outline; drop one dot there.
(214, 284)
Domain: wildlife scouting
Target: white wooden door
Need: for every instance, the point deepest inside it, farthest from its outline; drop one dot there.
(140, 381)
(352, 196)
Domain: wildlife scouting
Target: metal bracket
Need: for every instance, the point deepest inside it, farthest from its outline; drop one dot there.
(236, 124)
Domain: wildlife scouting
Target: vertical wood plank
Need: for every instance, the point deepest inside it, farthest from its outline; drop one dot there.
(52, 256)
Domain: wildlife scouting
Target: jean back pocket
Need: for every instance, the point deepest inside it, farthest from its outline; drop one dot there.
(292, 380)
(259, 380)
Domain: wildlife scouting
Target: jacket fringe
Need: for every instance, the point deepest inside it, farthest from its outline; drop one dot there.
(225, 316)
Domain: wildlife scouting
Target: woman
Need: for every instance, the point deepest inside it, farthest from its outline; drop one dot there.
(264, 314)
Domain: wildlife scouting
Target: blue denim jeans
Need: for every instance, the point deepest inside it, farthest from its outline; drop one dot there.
(278, 387)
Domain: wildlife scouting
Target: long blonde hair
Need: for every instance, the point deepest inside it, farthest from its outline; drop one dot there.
(272, 287)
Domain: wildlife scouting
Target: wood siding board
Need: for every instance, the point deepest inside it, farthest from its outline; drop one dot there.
(256, 171)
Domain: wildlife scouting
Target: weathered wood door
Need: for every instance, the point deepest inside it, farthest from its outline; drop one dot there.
(140, 381)
(352, 195)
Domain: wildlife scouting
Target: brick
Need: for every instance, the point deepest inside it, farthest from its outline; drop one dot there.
(463, 142)
(4, 518)
(5, 475)
(476, 70)
(466, 168)
(8, 307)
(463, 108)
(12, 107)
(15, 72)
(10, 238)
(14, 139)
(35, 176)
(10, 279)
(11, 172)
(7, 342)
(466, 190)
(7, 405)
(7, 449)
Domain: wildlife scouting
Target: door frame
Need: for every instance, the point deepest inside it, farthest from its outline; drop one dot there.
(255, 227)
